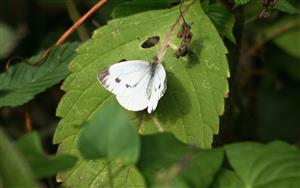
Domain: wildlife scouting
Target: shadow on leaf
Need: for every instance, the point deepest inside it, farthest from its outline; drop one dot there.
(173, 105)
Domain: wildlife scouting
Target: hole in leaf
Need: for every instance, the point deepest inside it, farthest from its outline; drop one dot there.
(150, 42)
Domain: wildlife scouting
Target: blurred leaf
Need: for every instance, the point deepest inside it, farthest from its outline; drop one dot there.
(14, 170)
(288, 41)
(167, 162)
(284, 33)
(21, 82)
(196, 84)
(42, 166)
(110, 135)
(7, 40)
(276, 164)
(241, 2)
(227, 179)
(285, 6)
(222, 18)
(135, 6)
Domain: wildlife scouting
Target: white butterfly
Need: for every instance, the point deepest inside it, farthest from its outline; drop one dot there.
(137, 84)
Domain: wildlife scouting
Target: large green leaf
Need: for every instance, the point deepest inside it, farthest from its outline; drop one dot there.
(276, 164)
(42, 165)
(166, 162)
(14, 169)
(196, 84)
(21, 82)
(109, 134)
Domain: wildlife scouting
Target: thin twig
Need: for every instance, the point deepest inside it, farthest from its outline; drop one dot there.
(75, 15)
(167, 41)
(27, 120)
(262, 41)
(79, 22)
(74, 27)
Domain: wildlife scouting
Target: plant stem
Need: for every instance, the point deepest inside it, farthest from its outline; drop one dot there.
(168, 39)
(260, 42)
(73, 28)
(27, 119)
(79, 22)
(75, 15)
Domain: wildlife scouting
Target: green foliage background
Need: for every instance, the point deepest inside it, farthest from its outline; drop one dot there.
(195, 138)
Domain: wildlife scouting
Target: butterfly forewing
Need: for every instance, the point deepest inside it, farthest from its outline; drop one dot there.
(122, 78)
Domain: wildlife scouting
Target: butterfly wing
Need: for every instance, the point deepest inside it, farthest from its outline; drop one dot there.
(138, 98)
(159, 86)
(122, 78)
(131, 82)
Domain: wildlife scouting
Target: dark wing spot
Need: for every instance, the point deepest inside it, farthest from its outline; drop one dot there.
(159, 86)
(127, 86)
(150, 42)
(118, 80)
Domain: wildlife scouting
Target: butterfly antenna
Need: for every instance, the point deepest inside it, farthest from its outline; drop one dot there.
(180, 8)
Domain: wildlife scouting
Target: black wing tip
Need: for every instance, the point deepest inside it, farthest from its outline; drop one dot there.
(103, 75)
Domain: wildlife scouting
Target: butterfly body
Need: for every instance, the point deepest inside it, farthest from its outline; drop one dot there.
(137, 84)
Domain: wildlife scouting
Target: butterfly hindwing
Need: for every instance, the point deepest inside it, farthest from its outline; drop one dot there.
(138, 99)
(159, 86)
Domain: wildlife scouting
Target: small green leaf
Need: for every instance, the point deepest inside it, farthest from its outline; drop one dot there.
(110, 135)
(14, 169)
(222, 18)
(167, 162)
(42, 165)
(285, 6)
(21, 82)
(276, 164)
(7, 40)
